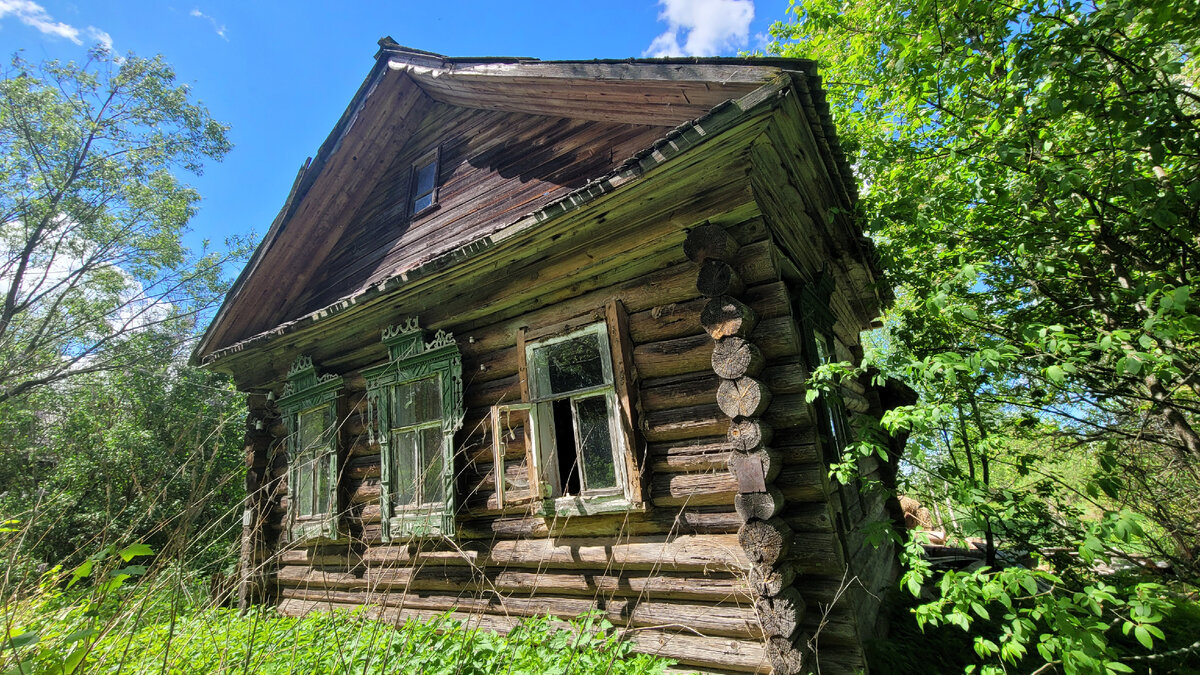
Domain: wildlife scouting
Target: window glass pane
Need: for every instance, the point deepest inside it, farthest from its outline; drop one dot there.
(304, 484)
(572, 364)
(417, 402)
(321, 483)
(426, 176)
(432, 465)
(595, 443)
(423, 202)
(404, 449)
(312, 429)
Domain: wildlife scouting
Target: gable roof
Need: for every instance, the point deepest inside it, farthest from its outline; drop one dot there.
(673, 93)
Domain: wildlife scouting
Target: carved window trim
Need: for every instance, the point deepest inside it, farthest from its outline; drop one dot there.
(410, 360)
(307, 393)
(820, 348)
(609, 325)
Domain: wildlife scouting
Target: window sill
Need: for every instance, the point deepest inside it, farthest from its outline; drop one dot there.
(417, 215)
(589, 506)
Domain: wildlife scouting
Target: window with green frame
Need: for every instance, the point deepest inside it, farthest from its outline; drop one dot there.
(576, 412)
(415, 404)
(309, 408)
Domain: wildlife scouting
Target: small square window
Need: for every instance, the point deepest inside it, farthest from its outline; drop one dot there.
(424, 188)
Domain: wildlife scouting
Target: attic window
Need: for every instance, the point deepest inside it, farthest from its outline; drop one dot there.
(425, 183)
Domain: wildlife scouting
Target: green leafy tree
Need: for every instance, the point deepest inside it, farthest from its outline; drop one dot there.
(1031, 172)
(91, 215)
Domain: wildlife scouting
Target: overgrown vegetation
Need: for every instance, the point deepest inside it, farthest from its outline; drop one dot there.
(94, 619)
(1031, 173)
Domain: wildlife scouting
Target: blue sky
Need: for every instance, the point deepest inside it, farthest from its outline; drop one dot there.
(280, 74)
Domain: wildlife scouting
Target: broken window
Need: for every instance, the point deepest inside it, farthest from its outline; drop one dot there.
(574, 420)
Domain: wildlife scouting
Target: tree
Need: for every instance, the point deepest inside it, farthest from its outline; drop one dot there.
(1031, 172)
(91, 215)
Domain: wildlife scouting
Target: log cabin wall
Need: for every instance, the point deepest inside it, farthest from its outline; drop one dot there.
(679, 562)
(697, 555)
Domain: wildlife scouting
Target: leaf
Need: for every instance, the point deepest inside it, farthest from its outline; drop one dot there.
(1143, 636)
(22, 640)
(1055, 373)
(134, 550)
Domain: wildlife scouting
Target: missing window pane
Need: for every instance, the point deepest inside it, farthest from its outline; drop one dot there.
(564, 442)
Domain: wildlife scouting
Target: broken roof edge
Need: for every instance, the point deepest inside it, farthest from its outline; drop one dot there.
(674, 143)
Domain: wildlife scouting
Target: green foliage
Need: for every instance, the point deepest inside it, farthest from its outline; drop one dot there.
(116, 627)
(1031, 174)
(149, 454)
(91, 215)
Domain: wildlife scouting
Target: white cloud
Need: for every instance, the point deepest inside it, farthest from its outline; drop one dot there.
(218, 28)
(709, 27)
(102, 38)
(35, 16)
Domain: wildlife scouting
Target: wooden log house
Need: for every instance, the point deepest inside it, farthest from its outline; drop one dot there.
(533, 338)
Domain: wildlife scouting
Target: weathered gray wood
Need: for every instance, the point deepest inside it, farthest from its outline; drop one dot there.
(743, 397)
(707, 242)
(749, 435)
(759, 505)
(736, 357)
(782, 614)
(761, 466)
(766, 542)
(717, 278)
(769, 581)
(790, 657)
(725, 316)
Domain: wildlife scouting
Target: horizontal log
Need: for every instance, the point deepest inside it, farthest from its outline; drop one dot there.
(803, 483)
(709, 241)
(731, 654)
(684, 423)
(743, 397)
(725, 316)
(776, 337)
(759, 505)
(693, 489)
(781, 615)
(768, 581)
(715, 619)
(724, 588)
(720, 552)
(766, 542)
(755, 470)
(717, 277)
(689, 455)
(749, 435)
(737, 357)
(681, 319)
(791, 656)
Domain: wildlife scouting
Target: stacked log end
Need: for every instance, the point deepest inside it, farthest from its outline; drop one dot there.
(743, 397)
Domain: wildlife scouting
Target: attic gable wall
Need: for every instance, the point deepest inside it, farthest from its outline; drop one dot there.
(495, 168)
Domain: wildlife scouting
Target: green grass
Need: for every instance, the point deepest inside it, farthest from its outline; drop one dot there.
(131, 631)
